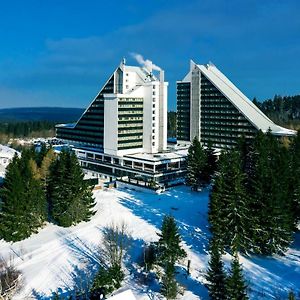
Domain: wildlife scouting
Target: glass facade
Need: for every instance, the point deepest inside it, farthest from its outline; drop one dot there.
(130, 123)
(89, 129)
(221, 123)
(183, 111)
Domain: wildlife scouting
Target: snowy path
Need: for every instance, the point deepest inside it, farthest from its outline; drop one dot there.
(55, 257)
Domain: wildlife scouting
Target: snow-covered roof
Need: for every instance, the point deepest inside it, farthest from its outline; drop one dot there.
(7, 152)
(239, 100)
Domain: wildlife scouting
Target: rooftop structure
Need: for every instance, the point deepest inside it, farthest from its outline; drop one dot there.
(212, 108)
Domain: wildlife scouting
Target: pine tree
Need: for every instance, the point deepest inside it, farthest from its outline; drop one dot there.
(295, 177)
(41, 154)
(23, 203)
(236, 286)
(210, 166)
(168, 246)
(70, 197)
(45, 166)
(228, 206)
(216, 275)
(269, 202)
(196, 162)
(169, 287)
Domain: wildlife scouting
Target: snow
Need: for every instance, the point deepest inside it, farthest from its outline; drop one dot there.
(127, 295)
(57, 258)
(6, 155)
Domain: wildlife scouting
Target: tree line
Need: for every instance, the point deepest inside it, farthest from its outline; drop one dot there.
(282, 110)
(40, 187)
(254, 204)
(26, 129)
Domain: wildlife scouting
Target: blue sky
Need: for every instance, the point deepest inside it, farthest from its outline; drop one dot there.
(59, 53)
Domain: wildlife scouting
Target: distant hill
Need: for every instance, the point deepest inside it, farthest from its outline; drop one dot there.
(51, 114)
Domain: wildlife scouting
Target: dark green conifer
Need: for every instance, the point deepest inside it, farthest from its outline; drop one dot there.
(196, 162)
(216, 275)
(228, 207)
(23, 202)
(295, 177)
(169, 249)
(70, 197)
(169, 287)
(236, 286)
(210, 166)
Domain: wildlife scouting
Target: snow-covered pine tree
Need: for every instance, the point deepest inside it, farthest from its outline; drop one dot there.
(169, 249)
(236, 286)
(216, 275)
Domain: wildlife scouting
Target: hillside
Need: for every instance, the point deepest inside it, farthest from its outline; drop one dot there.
(59, 258)
(52, 114)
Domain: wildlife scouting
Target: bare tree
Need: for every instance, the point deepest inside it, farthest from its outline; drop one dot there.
(116, 242)
(10, 279)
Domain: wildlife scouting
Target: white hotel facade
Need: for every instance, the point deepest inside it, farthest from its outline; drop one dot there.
(123, 132)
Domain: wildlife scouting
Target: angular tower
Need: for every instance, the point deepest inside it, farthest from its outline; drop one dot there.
(128, 115)
(212, 108)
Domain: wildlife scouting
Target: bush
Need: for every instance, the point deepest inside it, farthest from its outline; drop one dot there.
(10, 279)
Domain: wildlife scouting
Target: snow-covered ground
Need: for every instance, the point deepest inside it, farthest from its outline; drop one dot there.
(57, 258)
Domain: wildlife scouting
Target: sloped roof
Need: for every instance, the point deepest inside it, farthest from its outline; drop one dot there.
(241, 102)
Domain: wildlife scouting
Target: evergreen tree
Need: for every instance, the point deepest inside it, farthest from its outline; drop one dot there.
(23, 202)
(70, 197)
(295, 177)
(236, 286)
(169, 249)
(269, 202)
(45, 166)
(210, 166)
(41, 154)
(216, 275)
(169, 287)
(228, 207)
(196, 162)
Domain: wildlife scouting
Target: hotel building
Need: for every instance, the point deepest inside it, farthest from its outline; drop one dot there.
(123, 132)
(212, 108)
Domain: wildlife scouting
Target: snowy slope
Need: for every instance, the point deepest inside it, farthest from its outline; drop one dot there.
(55, 257)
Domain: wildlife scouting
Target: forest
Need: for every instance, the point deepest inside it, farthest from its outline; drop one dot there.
(254, 205)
